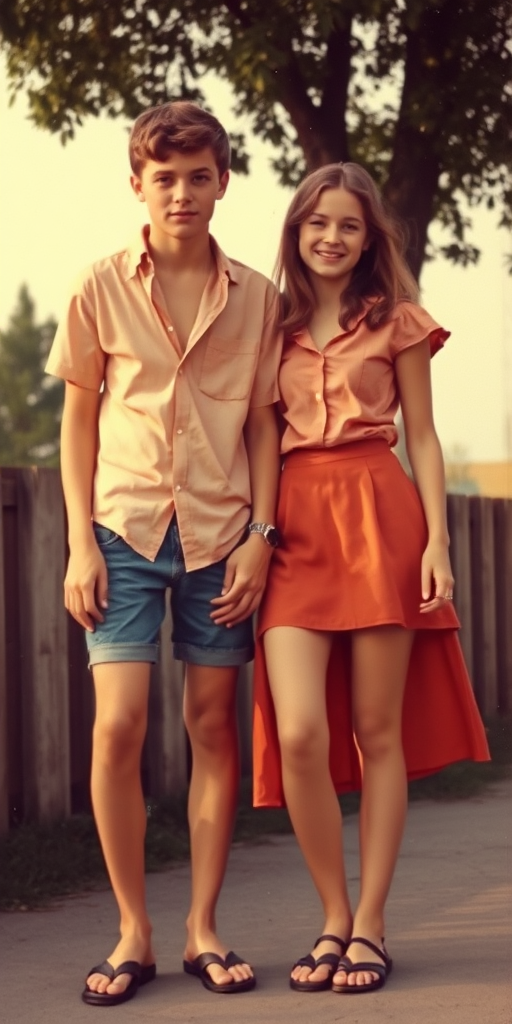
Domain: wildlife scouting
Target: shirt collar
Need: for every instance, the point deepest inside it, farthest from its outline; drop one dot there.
(137, 255)
(303, 332)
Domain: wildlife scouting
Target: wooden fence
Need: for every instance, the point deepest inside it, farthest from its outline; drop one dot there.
(46, 696)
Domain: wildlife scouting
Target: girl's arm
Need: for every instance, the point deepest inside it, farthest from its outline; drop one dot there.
(247, 566)
(412, 367)
(85, 585)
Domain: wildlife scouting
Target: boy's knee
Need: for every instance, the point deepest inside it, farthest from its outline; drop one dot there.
(210, 725)
(115, 738)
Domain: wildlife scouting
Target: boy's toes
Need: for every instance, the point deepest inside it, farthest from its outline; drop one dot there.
(240, 972)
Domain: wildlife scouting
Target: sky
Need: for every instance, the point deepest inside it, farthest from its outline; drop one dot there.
(63, 207)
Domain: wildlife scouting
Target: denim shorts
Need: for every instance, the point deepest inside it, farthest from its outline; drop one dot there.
(136, 607)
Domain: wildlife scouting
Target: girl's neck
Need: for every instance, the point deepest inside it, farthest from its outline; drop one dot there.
(329, 296)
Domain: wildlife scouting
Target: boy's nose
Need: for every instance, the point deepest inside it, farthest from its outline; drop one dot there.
(181, 191)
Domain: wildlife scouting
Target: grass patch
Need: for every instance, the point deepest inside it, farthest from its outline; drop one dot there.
(39, 863)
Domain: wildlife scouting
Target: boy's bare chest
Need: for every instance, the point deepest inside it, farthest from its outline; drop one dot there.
(182, 300)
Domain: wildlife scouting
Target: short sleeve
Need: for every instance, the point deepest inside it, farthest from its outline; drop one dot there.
(76, 354)
(413, 324)
(265, 390)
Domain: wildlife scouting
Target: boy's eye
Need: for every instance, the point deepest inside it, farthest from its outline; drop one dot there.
(201, 177)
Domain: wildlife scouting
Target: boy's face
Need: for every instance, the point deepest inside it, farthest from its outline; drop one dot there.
(181, 192)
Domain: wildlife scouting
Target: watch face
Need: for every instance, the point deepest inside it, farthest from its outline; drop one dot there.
(272, 536)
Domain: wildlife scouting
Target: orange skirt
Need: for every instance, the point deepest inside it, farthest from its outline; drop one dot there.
(353, 534)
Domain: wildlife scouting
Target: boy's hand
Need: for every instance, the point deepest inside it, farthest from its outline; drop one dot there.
(85, 585)
(244, 582)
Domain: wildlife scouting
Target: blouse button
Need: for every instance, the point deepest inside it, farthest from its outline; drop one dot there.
(318, 396)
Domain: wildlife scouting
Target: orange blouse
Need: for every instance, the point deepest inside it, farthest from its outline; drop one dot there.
(348, 392)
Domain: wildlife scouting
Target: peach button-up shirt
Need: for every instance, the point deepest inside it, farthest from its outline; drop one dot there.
(348, 392)
(171, 422)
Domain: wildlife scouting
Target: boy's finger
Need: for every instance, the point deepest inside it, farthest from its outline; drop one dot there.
(102, 587)
(229, 578)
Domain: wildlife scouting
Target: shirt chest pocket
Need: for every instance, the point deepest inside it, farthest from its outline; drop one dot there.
(228, 368)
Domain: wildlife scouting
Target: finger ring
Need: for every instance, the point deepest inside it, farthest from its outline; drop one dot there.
(449, 597)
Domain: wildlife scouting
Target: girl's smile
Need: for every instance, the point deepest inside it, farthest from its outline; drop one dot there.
(333, 237)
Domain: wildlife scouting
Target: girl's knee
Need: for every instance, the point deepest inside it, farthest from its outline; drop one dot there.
(377, 736)
(303, 746)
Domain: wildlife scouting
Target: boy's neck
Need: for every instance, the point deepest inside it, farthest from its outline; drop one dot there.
(178, 254)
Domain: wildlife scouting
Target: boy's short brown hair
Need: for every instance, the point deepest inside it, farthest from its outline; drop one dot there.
(179, 125)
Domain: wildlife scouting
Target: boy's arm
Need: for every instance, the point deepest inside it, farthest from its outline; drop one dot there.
(247, 566)
(85, 585)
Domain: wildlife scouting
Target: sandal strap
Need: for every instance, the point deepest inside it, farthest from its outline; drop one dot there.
(329, 959)
(105, 968)
(232, 958)
(379, 951)
(331, 938)
(305, 961)
(131, 967)
(204, 960)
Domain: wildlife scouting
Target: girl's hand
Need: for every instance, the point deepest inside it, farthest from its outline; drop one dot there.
(436, 576)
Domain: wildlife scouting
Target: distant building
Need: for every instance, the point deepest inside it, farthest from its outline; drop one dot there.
(490, 479)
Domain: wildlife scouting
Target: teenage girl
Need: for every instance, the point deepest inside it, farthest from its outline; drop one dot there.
(359, 677)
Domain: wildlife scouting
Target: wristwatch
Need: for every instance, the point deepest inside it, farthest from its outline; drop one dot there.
(268, 532)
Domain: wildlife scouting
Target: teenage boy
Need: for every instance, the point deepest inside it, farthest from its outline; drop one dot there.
(169, 466)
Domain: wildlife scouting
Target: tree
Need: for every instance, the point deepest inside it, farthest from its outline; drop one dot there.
(30, 402)
(416, 90)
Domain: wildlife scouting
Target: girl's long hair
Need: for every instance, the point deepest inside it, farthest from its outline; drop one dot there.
(381, 272)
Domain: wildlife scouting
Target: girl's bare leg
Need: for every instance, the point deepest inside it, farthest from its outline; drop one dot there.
(380, 659)
(119, 810)
(210, 718)
(297, 665)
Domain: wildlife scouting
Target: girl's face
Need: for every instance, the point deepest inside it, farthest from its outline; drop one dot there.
(333, 237)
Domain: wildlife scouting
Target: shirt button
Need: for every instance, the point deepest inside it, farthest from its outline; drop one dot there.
(170, 329)
(318, 396)
(180, 372)
(178, 487)
(179, 431)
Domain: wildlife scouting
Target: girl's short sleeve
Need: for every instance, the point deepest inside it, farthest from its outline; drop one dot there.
(413, 324)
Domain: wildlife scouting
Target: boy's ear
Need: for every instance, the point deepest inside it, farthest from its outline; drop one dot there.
(223, 184)
(136, 184)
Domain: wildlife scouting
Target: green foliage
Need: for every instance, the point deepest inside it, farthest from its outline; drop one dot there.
(30, 402)
(417, 90)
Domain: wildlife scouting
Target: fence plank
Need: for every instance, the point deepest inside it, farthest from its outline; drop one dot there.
(460, 555)
(13, 654)
(483, 593)
(4, 773)
(43, 634)
(503, 576)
